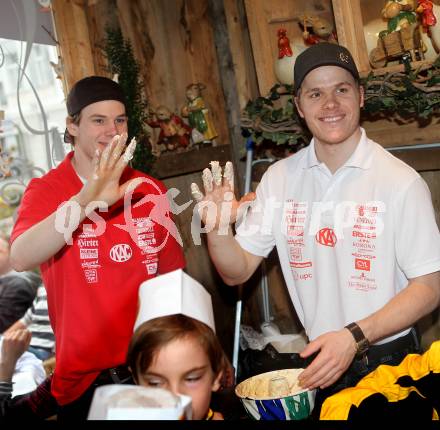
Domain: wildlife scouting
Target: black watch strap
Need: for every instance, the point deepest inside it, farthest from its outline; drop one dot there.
(362, 343)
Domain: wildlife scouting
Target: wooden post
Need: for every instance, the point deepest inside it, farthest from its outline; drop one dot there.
(350, 30)
(229, 83)
(72, 33)
(261, 43)
(241, 50)
(100, 15)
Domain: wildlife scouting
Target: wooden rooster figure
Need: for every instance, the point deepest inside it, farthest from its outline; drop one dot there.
(428, 12)
(425, 8)
(283, 44)
(283, 66)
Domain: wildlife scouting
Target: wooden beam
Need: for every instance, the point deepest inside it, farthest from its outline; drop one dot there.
(72, 33)
(422, 160)
(228, 80)
(391, 133)
(350, 30)
(241, 50)
(100, 15)
(257, 16)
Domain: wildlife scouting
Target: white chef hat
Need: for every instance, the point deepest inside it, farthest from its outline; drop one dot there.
(174, 293)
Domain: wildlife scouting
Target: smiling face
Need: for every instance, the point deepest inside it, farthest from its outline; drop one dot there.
(330, 100)
(99, 123)
(182, 366)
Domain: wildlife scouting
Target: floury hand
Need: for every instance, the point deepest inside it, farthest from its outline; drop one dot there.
(219, 208)
(103, 186)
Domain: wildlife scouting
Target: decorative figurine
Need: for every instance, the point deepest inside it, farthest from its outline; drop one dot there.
(425, 8)
(428, 12)
(402, 39)
(284, 48)
(317, 29)
(284, 63)
(399, 13)
(174, 133)
(197, 113)
(283, 66)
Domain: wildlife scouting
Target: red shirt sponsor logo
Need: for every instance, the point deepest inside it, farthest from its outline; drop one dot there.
(300, 265)
(364, 235)
(121, 253)
(326, 237)
(361, 264)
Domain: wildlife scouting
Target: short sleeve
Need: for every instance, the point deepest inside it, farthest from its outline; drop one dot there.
(417, 237)
(253, 235)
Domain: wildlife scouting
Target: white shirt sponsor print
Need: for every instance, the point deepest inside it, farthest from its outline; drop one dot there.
(295, 218)
(367, 227)
(146, 241)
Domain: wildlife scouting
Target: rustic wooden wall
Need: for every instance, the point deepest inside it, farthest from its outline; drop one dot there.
(72, 33)
(173, 40)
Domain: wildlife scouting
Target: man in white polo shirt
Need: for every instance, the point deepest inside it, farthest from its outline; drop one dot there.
(354, 228)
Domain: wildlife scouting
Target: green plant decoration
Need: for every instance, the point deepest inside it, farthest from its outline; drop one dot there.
(123, 63)
(401, 97)
(274, 120)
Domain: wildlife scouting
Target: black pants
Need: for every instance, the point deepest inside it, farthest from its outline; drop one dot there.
(78, 410)
(391, 353)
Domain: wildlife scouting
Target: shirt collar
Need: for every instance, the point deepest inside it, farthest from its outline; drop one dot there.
(361, 157)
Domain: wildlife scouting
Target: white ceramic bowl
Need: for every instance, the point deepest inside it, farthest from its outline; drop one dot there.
(281, 399)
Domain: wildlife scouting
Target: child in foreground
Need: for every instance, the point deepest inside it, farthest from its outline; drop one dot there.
(174, 345)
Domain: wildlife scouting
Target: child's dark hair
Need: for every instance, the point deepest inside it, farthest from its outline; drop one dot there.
(158, 332)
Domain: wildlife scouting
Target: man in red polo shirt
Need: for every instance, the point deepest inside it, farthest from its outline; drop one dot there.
(73, 223)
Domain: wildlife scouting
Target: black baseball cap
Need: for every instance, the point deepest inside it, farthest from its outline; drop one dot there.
(91, 90)
(322, 54)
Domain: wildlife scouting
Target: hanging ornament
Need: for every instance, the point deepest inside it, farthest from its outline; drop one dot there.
(45, 5)
(285, 61)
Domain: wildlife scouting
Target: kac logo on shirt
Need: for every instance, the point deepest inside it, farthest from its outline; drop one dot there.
(121, 253)
(326, 237)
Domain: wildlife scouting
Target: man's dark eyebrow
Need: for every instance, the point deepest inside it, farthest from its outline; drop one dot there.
(312, 89)
(97, 115)
(344, 83)
(335, 86)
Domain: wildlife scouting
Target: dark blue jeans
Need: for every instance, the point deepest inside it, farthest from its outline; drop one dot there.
(362, 367)
(41, 353)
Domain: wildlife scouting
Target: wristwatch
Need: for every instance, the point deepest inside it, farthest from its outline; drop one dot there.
(362, 343)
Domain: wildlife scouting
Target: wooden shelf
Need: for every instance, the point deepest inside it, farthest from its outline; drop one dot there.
(422, 160)
(420, 65)
(178, 164)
